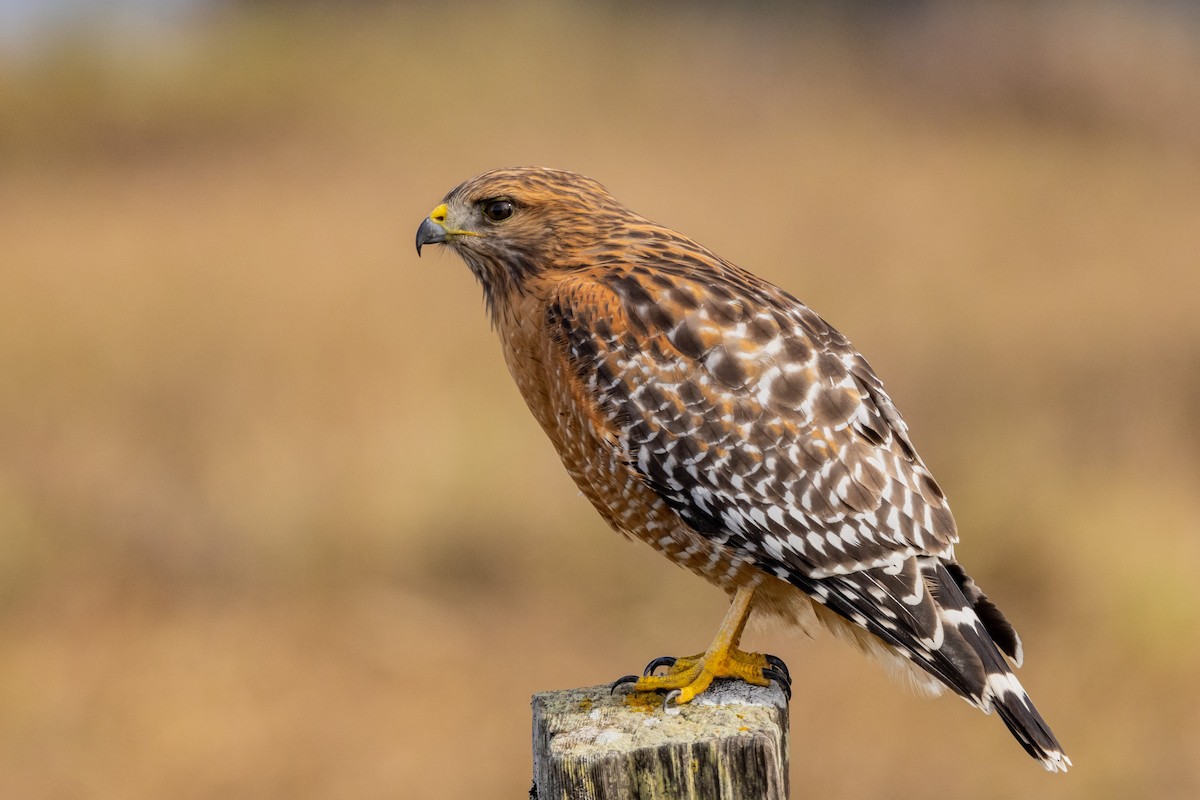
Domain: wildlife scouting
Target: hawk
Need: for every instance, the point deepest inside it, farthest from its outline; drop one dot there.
(715, 417)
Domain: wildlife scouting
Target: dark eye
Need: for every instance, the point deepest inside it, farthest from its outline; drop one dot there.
(497, 210)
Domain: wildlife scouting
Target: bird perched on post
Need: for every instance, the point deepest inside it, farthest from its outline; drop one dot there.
(717, 418)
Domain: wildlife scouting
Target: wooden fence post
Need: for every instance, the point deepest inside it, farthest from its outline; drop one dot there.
(730, 743)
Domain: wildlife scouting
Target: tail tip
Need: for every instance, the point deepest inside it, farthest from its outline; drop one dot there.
(1056, 761)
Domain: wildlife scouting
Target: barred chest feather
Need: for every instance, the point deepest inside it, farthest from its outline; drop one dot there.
(586, 441)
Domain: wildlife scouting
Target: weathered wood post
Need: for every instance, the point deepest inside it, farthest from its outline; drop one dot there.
(729, 743)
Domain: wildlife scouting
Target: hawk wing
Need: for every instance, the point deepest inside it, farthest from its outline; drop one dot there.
(760, 426)
(751, 417)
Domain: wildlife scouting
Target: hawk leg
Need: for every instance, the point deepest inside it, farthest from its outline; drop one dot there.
(688, 677)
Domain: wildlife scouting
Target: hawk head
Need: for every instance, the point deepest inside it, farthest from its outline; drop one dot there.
(511, 224)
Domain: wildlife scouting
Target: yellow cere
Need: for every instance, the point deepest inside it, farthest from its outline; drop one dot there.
(441, 214)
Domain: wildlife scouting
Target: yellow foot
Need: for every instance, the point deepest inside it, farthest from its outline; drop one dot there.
(688, 677)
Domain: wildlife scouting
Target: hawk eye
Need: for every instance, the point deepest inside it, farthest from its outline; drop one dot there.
(497, 210)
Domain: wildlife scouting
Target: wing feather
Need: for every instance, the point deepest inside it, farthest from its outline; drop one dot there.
(752, 418)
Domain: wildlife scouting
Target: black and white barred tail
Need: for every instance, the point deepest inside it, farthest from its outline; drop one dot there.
(929, 612)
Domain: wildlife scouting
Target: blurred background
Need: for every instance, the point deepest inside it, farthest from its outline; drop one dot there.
(274, 520)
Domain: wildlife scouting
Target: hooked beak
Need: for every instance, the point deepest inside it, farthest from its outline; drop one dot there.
(438, 228)
(430, 232)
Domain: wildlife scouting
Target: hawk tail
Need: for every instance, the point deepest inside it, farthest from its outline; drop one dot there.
(975, 634)
(929, 612)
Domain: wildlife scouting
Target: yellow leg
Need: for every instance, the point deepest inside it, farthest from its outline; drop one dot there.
(692, 675)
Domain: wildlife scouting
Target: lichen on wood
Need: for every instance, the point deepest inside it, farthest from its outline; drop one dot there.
(729, 743)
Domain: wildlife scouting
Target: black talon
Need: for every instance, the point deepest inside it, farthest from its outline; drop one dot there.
(612, 687)
(671, 695)
(777, 662)
(661, 661)
(770, 673)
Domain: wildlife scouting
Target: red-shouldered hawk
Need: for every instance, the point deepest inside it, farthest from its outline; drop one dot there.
(721, 421)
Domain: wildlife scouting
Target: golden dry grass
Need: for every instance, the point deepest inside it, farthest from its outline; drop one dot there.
(274, 521)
